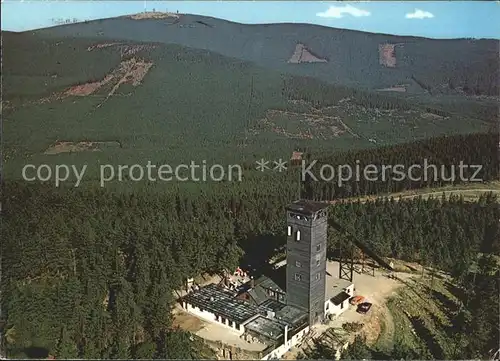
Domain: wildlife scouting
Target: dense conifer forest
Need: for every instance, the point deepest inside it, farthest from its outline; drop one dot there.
(436, 162)
(91, 272)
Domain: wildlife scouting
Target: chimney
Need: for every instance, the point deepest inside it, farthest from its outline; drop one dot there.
(252, 282)
(286, 333)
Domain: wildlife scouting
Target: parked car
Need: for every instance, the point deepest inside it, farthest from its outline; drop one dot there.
(356, 300)
(364, 307)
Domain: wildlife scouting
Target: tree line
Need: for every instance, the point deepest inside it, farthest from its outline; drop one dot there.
(433, 162)
(442, 232)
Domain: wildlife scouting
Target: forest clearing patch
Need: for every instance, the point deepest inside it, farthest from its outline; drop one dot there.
(431, 116)
(125, 49)
(87, 88)
(398, 88)
(315, 125)
(387, 55)
(301, 54)
(101, 46)
(130, 71)
(83, 146)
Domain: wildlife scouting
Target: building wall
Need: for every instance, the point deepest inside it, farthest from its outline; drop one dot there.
(350, 289)
(318, 286)
(298, 251)
(309, 292)
(284, 348)
(337, 309)
(210, 317)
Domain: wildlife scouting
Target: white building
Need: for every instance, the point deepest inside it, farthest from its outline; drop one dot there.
(338, 292)
(277, 353)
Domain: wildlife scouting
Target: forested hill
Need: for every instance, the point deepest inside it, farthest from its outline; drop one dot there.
(353, 58)
(90, 274)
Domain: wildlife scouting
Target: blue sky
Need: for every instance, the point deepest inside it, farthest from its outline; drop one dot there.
(435, 19)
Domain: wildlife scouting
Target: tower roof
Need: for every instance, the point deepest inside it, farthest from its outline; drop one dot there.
(306, 207)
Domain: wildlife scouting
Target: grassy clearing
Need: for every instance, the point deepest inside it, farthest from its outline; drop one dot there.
(385, 340)
(422, 313)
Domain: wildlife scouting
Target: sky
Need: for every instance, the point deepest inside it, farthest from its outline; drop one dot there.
(433, 19)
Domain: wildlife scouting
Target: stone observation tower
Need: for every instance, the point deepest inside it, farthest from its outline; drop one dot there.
(307, 224)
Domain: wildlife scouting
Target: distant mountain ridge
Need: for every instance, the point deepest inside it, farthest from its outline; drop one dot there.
(441, 66)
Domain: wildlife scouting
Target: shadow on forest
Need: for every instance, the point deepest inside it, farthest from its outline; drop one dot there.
(455, 291)
(380, 355)
(424, 333)
(278, 276)
(438, 322)
(449, 306)
(258, 250)
(36, 352)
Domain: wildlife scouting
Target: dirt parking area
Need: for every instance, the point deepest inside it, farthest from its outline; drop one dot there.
(377, 290)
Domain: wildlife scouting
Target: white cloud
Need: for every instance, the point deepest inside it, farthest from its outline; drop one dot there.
(339, 12)
(419, 14)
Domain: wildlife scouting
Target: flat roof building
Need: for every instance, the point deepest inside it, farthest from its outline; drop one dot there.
(222, 303)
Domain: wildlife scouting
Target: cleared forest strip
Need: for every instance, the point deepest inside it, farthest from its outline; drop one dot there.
(471, 192)
(316, 116)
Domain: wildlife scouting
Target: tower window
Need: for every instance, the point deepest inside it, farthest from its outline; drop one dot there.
(298, 277)
(318, 247)
(297, 236)
(317, 262)
(298, 264)
(289, 230)
(318, 276)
